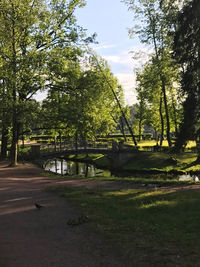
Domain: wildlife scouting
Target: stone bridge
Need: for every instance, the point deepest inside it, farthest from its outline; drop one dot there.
(117, 157)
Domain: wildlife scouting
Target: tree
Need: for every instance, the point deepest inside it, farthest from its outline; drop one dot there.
(153, 28)
(117, 99)
(79, 98)
(29, 31)
(187, 54)
(149, 89)
(141, 109)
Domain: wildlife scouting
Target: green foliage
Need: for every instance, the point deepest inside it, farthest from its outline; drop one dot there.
(187, 54)
(150, 97)
(34, 37)
(80, 100)
(156, 21)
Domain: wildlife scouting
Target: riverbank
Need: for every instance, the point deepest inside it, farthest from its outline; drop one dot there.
(147, 163)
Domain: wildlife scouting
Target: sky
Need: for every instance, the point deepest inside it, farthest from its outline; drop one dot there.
(110, 19)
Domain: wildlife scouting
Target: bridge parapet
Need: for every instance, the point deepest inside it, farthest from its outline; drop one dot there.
(117, 157)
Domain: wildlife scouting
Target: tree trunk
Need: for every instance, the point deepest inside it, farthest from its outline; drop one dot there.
(76, 142)
(161, 120)
(156, 135)
(140, 130)
(14, 146)
(124, 116)
(119, 104)
(166, 112)
(60, 141)
(4, 135)
(175, 115)
(122, 128)
(55, 143)
(4, 142)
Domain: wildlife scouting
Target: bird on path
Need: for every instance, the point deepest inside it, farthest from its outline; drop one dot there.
(38, 206)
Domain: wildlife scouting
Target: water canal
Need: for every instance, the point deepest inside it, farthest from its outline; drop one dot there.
(63, 167)
(82, 169)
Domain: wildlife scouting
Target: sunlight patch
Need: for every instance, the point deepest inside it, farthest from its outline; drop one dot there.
(157, 204)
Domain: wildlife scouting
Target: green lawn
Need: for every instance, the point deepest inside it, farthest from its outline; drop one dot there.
(147, 227)
(150, 161)
(165, 143)
(163, 162)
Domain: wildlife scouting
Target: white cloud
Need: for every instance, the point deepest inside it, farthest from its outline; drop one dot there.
(113, 59)
(132, 58)
(124, 65)
(105, 46)
(128, 82)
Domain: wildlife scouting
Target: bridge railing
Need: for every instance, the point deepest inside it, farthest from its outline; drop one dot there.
(63, 146)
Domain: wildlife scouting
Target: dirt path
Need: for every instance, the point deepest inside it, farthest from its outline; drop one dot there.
(34, 238)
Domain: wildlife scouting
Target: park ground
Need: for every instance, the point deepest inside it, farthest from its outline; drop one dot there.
(127, 224)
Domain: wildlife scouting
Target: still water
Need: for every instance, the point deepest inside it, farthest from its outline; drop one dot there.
(64, 167)
(70, 168)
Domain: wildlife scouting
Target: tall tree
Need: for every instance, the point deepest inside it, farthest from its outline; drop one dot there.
(187, 53)
(29, 31)
(80, 100)
(141, 110)
(153, 28)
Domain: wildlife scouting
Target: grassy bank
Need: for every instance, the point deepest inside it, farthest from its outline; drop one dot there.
(150, 161)
(185, 162)
(148, 227)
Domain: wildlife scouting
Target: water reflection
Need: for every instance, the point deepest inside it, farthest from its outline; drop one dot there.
(64, 167)
(188, 177)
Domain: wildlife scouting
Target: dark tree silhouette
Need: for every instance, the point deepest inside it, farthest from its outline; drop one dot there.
(187, 53)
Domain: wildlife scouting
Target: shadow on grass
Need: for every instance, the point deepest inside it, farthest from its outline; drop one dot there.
(149, 227)
(191, 164)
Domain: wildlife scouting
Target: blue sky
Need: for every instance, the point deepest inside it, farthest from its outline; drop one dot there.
(110, 19)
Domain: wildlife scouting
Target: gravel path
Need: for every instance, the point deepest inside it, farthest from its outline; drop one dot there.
(34, 238)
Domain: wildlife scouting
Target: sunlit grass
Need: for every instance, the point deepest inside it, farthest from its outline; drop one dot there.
(156, 204)
(191, 144)
(150, 143)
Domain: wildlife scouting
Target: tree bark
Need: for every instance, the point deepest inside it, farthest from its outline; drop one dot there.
(4, 142)
(122, 128)
(166, 112)
(14, 146)
(140, 129)
(175, 115)
(161, 119)
(4, 134)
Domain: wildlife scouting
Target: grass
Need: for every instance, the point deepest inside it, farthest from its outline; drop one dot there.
(147, 143)
(147, 227)
(145, 180)
(148, 161)
(164, 162)
(156, 161)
